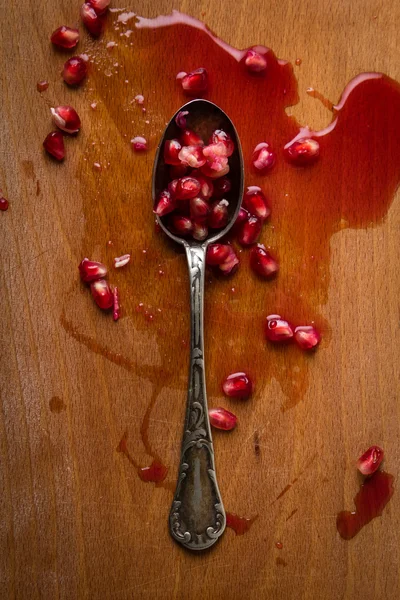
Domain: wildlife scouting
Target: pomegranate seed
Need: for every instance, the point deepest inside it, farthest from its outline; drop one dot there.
(42, 86)
(243, 216)
(171, 152)
(237, 385)
(180, 119)
(187, 187)
(207, 187)
(3, 203)
(255, 62)
(221, 187)
(249, 231)
(304, 151)
(192, 156)
(90, 270)
(92, 21)
(165, 204)
(263, 157)
(116, 307)
(370, 461)
(121, 261)
(66, 118)
(256, 203)
(219, 136)
(220, 418)
(230, 265)
(190, 138)
(217, 254)
(65, 37)
(75, 70)
(100, 6)
(181, 225)
(139, 143)
(307, 337)
(200, 231)
(172, 187)
(218, 217)
(194, 82)
(215, 174)
(54, 145)
(262, 262)
(199, 208)
(277, 329)
(177, 171)
(102, 294)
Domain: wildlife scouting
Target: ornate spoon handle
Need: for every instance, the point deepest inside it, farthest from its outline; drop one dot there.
(197, 517)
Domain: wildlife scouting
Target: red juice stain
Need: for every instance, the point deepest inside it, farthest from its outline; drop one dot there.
(240, 525)
(155, 473)
(280, 561)
(3, 204)
(315, 94)
(37, 187)
(42, 86)
(298, 62)
(375, 492)
(334, 193)
(56, 404)
(294, 511)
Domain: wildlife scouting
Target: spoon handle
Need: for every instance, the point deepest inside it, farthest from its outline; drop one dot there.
(197, 517)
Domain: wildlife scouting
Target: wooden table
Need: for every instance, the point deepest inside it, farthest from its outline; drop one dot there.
(76, 520)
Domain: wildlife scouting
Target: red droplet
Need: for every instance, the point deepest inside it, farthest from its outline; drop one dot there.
(42, 86)
(371, 499)
(155, 473)
(3, 203)
(240, 525)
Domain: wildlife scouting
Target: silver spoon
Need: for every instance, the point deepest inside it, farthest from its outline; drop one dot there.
(197, 517)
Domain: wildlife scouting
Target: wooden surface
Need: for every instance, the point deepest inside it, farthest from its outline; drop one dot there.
(75, 519)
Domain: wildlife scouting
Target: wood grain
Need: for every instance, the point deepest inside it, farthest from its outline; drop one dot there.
(75, 520)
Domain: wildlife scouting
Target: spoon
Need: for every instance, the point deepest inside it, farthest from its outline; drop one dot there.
(197, 517)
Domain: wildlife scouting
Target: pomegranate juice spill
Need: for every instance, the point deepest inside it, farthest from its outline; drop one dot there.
(255, 98)
(374, 494)
(240, 525)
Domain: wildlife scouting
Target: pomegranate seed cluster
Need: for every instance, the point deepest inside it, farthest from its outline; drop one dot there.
(195, 198)
(278, 330)
(94, 274)
(236, 385)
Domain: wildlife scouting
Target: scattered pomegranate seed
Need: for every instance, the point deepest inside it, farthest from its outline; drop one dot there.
(121, 261)
(263, 157)
(237, 385)
(139, 144)
(65, 37)
(66, 118)
(165, 204)
(218, 217)
(221, 187)
(116, 306)
(100, 6)
(243, 216)
(171, 152)
(3, 204)
(180, 119)
(307, 337)
(219, 136)
(249, 231)
(303, 152)
(192, 156)
(93, 22)
(277, 329)
(195, 82)
(262, 262)
(370, 461)
(230, 265)
(190, 138)
(199, 208)
(220, 418)
(90, 270)
(187, 187)
(75, 70)
(200, 230)
(42, 86)
(102, 294)
(256, 203)
(181, 225)
(255, 62)
(54, 145)
(217, 254)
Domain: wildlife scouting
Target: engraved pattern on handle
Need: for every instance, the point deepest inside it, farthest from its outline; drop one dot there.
(197, 518)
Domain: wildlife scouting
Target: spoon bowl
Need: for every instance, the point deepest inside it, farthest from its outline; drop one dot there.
(197, 517)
